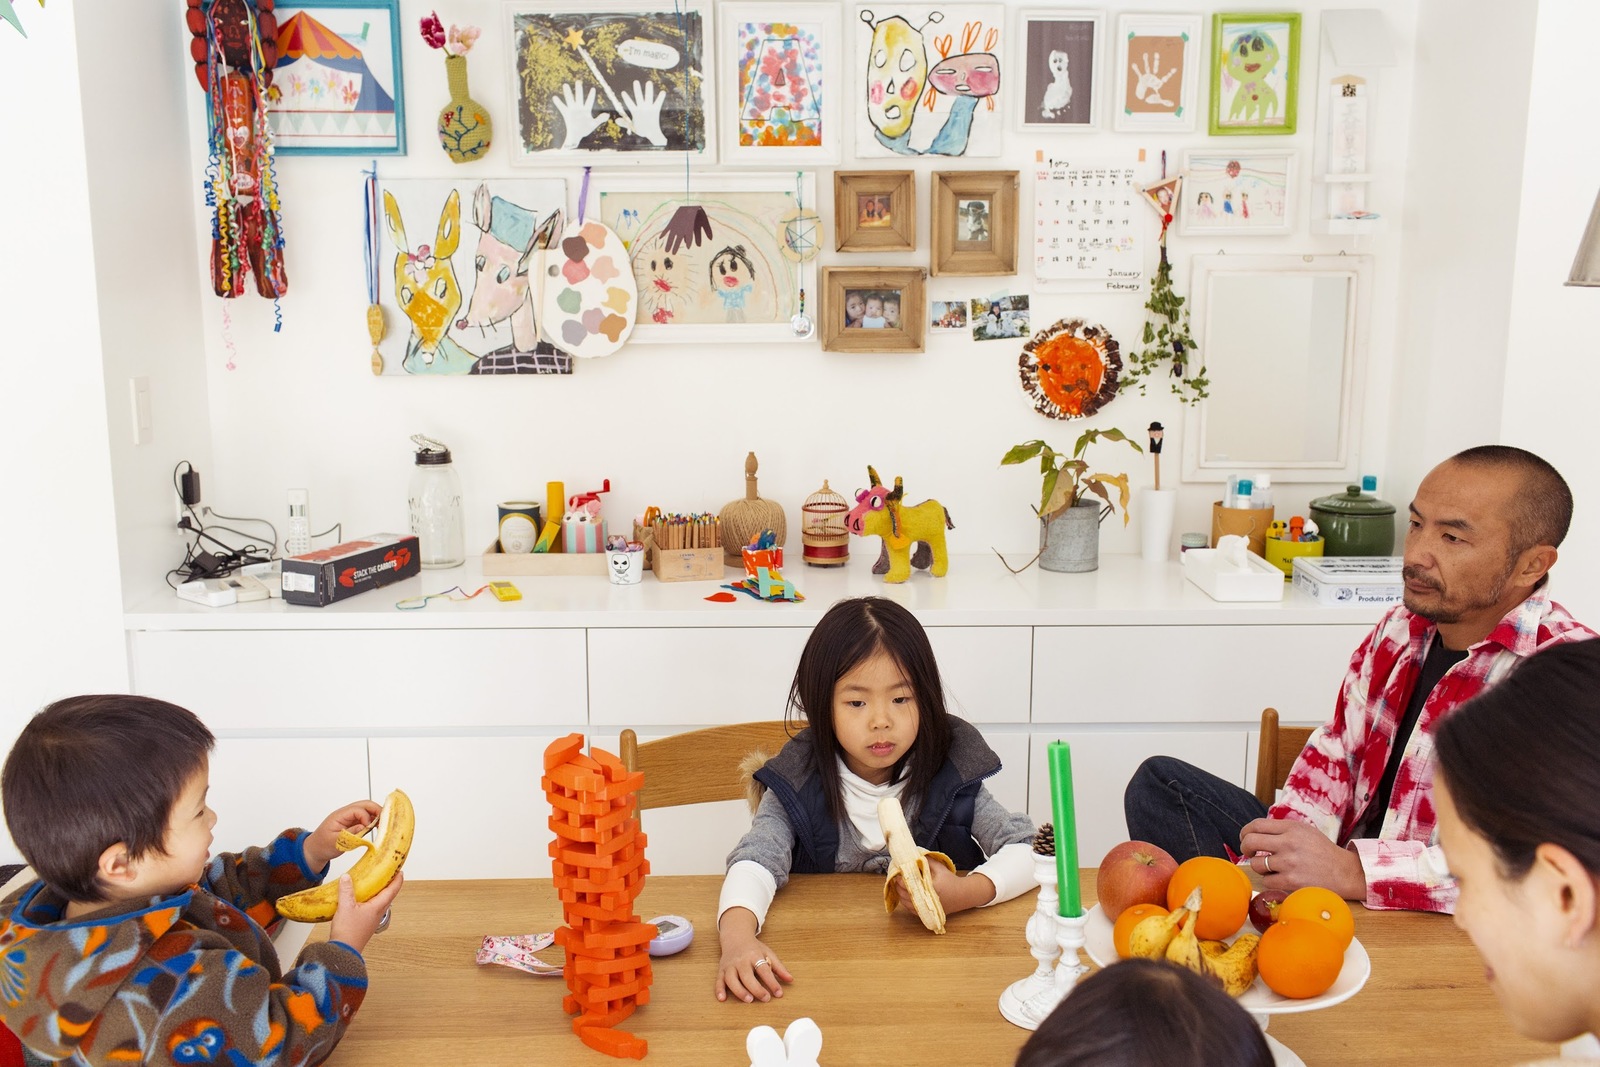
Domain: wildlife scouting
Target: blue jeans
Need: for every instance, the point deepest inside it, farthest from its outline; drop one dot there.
(1187, 811)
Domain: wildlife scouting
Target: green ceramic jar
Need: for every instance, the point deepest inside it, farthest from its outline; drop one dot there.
(1354, 524)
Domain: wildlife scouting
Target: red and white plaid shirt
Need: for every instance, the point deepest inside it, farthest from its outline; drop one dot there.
(1337, 774)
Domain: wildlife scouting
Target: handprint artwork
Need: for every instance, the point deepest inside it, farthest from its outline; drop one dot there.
(1148, 75)
(611, 81)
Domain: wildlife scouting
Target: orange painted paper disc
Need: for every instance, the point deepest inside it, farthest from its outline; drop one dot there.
(1070, 369)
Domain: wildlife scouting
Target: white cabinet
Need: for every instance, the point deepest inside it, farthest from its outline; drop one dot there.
(700, 676)
(263, 786)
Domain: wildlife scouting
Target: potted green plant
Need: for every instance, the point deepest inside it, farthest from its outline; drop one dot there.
(1069, 521)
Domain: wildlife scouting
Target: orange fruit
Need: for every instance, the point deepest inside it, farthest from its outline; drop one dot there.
(1224, 895)
(1125, 923)
(1323, 906)
(1299, 958)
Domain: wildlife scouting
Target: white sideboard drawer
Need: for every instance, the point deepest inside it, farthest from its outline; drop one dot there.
(1102, 763)
(327, 773)
(986, 670)
(259, 680)
(1156, 674)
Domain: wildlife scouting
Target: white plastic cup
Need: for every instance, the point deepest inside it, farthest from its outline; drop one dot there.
(1157, 510)
(625, 568)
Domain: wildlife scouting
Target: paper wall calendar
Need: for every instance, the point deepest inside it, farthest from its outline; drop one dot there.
(1089, 227)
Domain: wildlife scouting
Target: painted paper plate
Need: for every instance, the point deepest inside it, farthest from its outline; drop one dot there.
(589, 297)
(1070, 369)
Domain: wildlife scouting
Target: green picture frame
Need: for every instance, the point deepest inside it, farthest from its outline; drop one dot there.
(1255, 73)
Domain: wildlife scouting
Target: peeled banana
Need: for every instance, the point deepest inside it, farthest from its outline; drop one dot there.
(370, 873)
(1184, 948)
(909, 860)
(1151, 936)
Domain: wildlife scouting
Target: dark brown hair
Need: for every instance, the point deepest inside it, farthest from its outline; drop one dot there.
(1146, 1013)
(90, 771)
(1542, 510)
(1522, 759)
(851, 631)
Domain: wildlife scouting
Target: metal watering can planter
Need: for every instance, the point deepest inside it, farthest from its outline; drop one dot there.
(1070, 540)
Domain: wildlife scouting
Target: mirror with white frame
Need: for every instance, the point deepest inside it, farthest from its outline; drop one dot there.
(1283, 339)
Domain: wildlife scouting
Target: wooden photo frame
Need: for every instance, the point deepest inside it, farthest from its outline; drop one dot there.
(1237, 193)
(974, 222)
(1060, 83)
(785, 78)
(573, 66)
(343, 96)
(875, 210)
(1156, 77)
(897, 295)
(1255, 73)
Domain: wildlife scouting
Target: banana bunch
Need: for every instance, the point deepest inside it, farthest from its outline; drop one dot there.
(909, 860)
(370, 873)
(1169, 937)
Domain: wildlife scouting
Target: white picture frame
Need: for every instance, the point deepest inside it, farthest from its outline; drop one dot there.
(812, 54)
(668, 61)
(1054, 92)
(1141, 76)
(1243, 193)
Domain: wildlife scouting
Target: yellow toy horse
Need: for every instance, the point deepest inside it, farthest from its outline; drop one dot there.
(882, 513)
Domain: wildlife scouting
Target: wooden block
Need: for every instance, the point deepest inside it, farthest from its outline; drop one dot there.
(621, 935)
(562, 750)
(617, 1043)
(576, 778)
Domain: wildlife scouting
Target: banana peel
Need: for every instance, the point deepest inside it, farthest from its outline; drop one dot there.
(1184, 948)
(369, 874)
(909, 860)
(1152, 936)
(1232, 965)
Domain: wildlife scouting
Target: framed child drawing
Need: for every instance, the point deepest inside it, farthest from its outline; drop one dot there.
(611, 82)
(1237, 193)
(1255, 73)
(1156, 73)
(786, 80)
(336, 86)
(1061, 69)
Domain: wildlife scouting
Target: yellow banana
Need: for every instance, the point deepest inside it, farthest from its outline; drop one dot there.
(1233, 965)
(909, 860)
(370, 873)
(1184, 948)
(1150, 936)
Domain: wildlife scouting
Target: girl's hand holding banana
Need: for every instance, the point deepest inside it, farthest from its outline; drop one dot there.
(957, 892)
(322, 844)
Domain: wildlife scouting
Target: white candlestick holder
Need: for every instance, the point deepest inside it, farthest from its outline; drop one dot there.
(1054, 941)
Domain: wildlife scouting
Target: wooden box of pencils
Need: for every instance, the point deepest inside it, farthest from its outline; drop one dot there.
(686, 548)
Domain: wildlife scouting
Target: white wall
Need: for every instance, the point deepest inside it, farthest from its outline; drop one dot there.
(671, 424)
(1552, 365)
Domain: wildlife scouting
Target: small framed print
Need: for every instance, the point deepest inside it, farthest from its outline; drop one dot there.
(1157, 72)
(874, 309)
(1060, 70)
(336, 90)
(875, 210)
(1255, 73)
(788, 77)
(1237, 192)
(974, 222)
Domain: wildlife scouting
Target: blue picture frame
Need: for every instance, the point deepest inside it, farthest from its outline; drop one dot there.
(347, 99)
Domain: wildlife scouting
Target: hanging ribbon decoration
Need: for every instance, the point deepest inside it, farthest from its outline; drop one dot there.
(800, 244)
(375, 326)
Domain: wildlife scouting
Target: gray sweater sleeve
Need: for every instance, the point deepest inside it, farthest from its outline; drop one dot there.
(994, 826)
(770, 840)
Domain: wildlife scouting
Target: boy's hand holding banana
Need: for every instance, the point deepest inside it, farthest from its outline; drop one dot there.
(371, 874)
(322, 844)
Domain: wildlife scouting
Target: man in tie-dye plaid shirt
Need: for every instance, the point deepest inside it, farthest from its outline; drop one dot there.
(1356, 814)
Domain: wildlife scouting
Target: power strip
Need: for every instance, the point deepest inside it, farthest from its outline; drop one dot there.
(220, 592)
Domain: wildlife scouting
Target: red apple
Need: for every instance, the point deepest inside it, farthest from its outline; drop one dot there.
(1134, 872)
(1264, 908)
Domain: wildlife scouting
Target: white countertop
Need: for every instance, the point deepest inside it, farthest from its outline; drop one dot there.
(978, 591)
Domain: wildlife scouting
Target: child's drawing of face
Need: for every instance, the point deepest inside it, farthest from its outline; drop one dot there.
(664, 279)
(897, 66)
(730, 269)
(891, 312)
(853, 307)
(1058, 65)
(974, 74)
(874, 307)
(1205, 198)
(1251, 56)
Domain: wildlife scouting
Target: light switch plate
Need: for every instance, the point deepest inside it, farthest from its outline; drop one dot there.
(139, 396)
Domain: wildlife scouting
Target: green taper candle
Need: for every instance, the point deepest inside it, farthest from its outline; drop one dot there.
(1066, 827)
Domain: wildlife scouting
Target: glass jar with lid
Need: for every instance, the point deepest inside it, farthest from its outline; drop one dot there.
(434, 502)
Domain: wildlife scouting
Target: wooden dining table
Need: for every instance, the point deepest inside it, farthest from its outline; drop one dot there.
(882, 989)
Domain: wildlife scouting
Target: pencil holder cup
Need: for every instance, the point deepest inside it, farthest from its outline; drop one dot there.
(1281, 553)
(1249, 523)
(625, 568)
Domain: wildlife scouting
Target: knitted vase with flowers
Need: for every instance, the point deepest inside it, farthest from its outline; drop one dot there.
(464, 126)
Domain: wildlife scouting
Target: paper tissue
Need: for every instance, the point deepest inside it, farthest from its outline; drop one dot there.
(1232, 572)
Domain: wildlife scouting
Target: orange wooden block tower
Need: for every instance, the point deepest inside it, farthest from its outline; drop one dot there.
(599, 867)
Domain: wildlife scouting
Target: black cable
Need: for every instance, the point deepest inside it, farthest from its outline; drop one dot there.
(337, 529)
(241, 518)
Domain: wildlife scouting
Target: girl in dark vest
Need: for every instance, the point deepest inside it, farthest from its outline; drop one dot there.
(876, 726)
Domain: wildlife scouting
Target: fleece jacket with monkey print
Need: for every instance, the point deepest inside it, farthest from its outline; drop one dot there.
(182, 979)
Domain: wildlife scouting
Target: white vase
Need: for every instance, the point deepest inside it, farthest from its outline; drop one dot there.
(1157, 509)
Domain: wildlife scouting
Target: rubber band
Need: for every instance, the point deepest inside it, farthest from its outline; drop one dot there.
(583, 195)
(417, 603)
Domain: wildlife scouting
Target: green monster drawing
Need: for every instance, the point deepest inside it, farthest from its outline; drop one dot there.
(1248, 60)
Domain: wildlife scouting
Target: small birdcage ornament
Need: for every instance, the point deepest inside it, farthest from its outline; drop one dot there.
(824, 540)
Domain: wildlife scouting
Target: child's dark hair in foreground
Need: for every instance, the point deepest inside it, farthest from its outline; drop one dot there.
(1146, 1013)
(135, 944)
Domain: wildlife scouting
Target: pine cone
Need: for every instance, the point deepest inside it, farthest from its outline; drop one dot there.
(1044, 842)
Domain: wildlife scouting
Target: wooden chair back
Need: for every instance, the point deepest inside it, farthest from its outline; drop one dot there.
(1276, 755)
(698, 766)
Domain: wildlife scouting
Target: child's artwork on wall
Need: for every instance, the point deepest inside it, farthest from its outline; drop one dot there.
(612, 79)
(1156, 75)
(784, 95)
(716, 276)
(1236, 192)
(931, 79)
(336, 86)
(1255, 73)
(1062, 65)
(462, 264)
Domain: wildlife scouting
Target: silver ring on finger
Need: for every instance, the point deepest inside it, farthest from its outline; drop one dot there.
(383, 922)
(1266, 862)
(762, 962)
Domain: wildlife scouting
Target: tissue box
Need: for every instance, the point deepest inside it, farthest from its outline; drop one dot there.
(329, 574)
(1263, 582)
(1350, 580)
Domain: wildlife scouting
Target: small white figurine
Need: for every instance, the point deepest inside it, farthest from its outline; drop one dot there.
(799, 1046)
